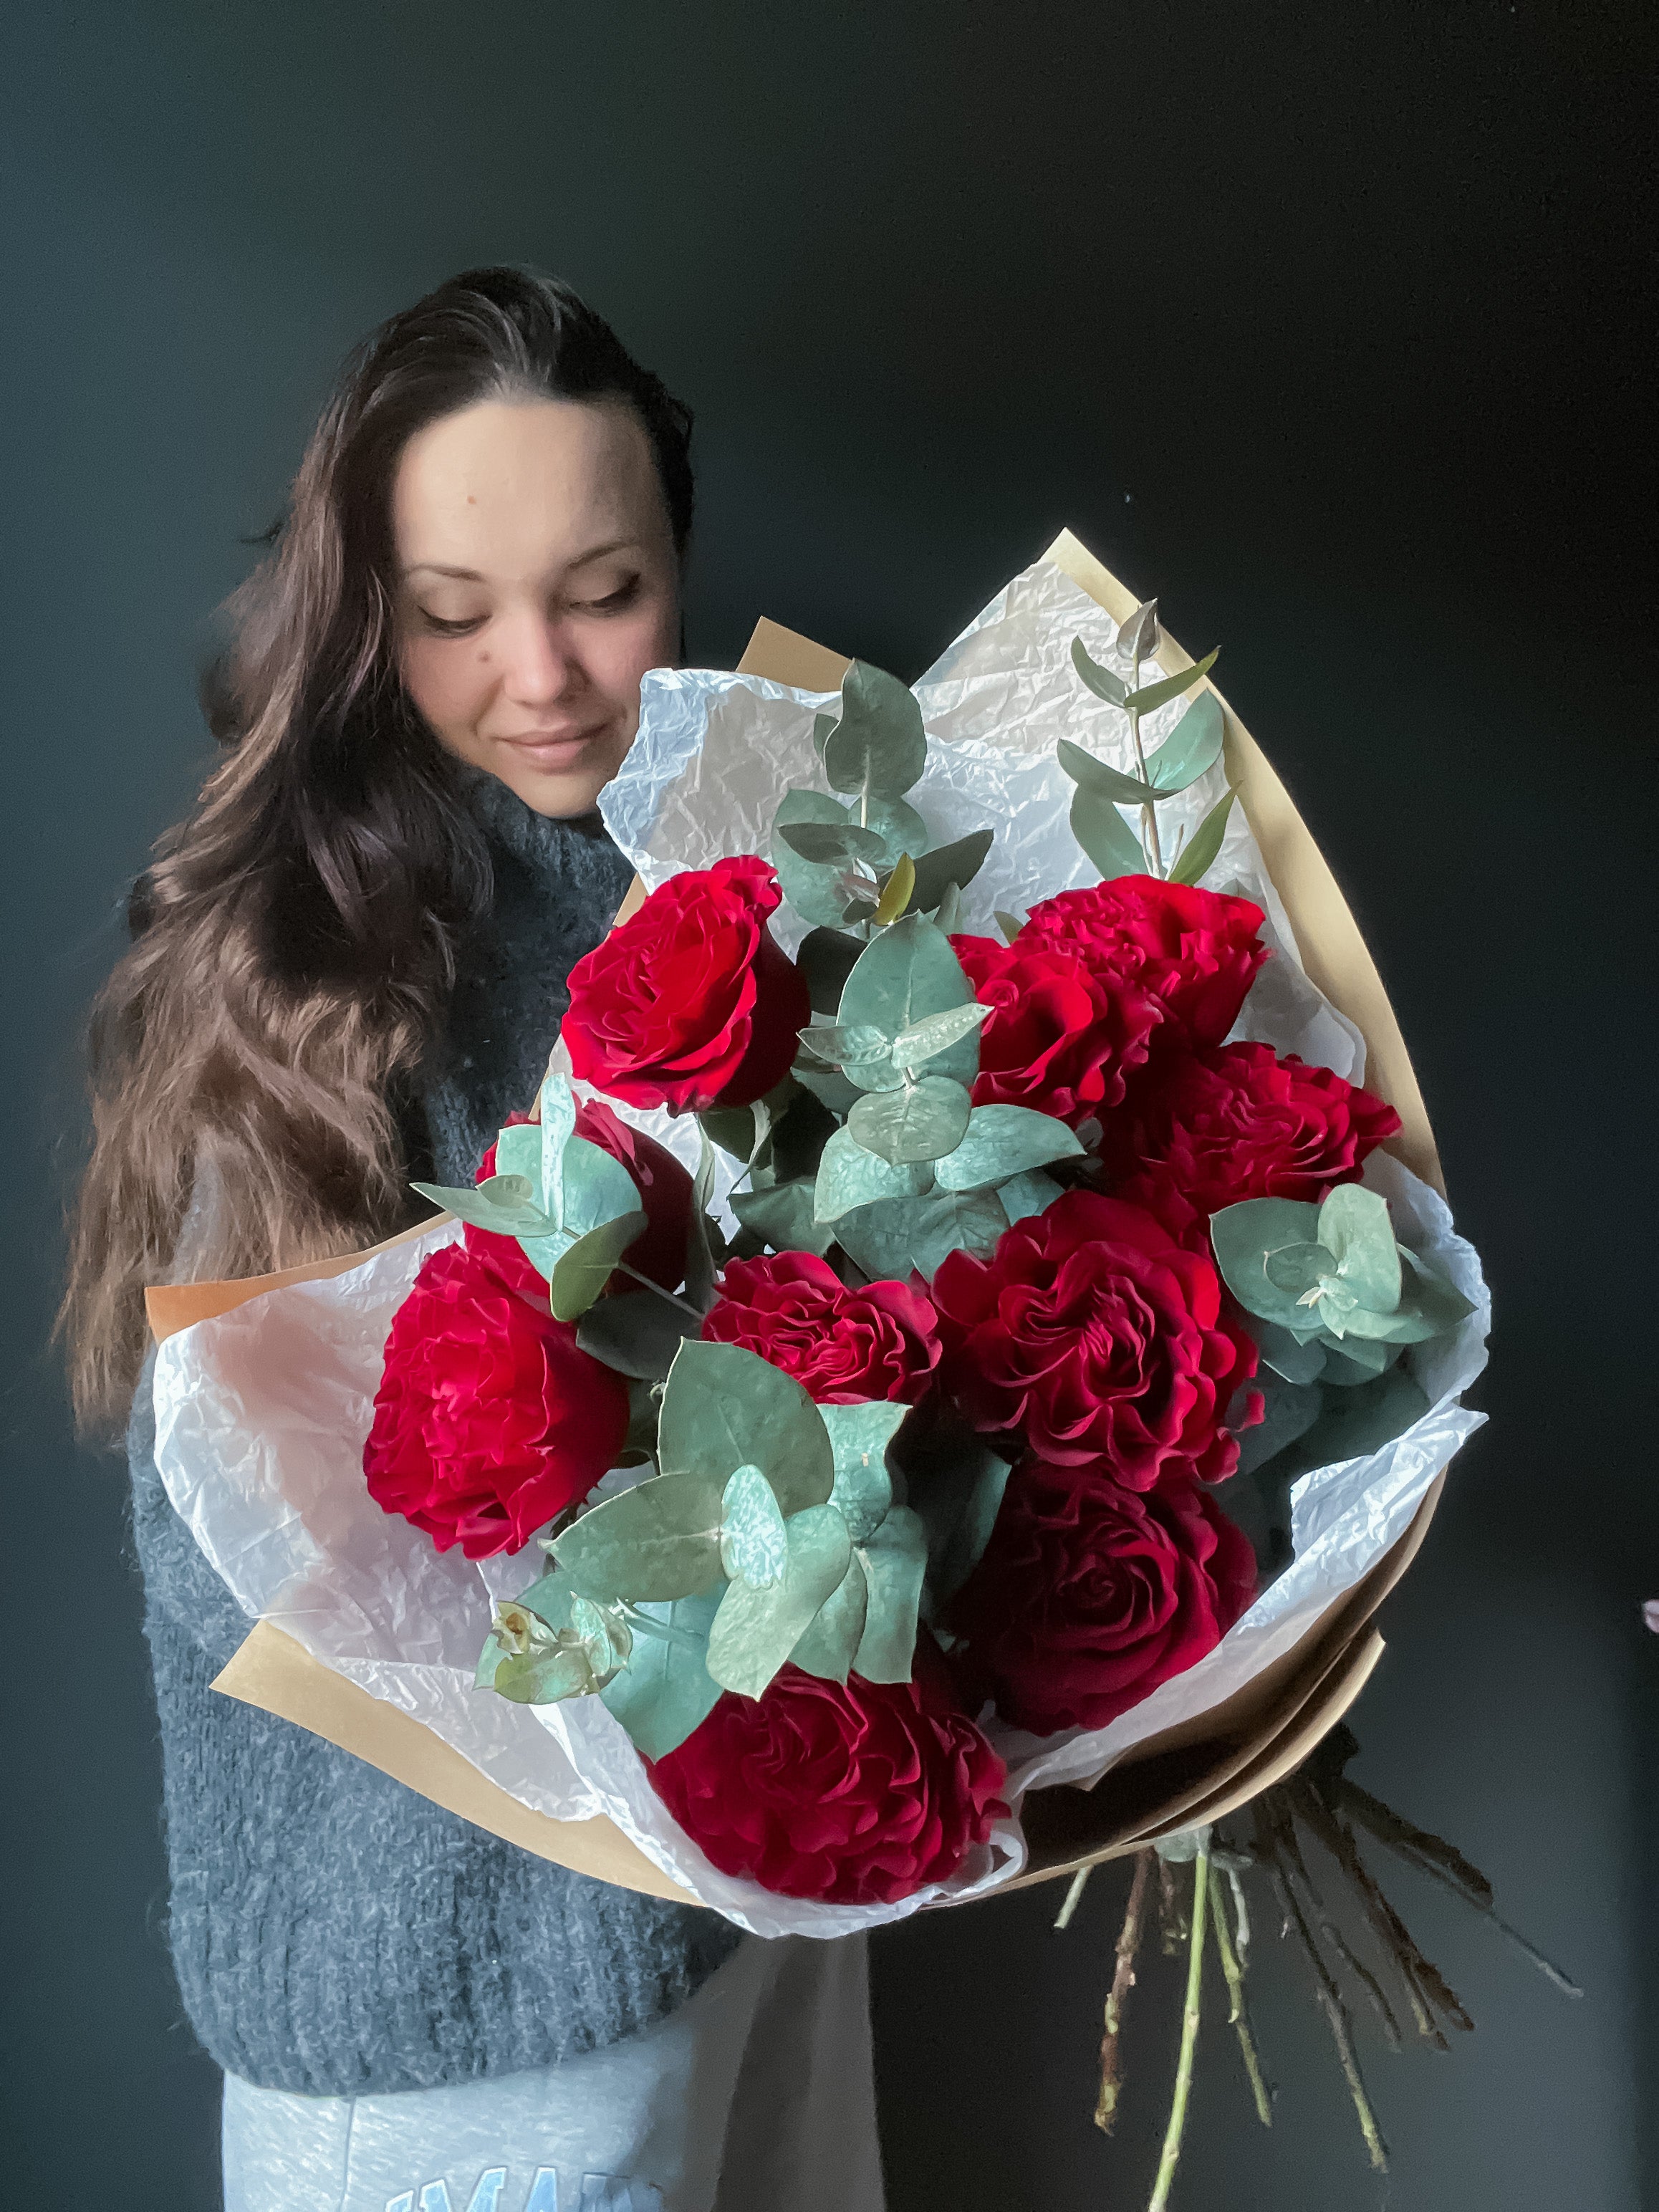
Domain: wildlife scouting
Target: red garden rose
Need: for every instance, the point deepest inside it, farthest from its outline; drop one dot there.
(1195, 951)
(1061, 1040)
(693, 1003)
(489, 1417)
(1098, 1339)
(843, 1346)
(1241, 1121)
(855, 1795)
(1089, 1595)
(663, 1184)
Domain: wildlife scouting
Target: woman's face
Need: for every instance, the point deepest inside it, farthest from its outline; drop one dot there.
(537, 582)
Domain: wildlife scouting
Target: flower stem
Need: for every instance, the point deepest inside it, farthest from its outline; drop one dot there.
(623, 1268)
(1166, 2164)
(1123, 1980)
(1073, 1896)
(1238, 2015)
(1149, 839)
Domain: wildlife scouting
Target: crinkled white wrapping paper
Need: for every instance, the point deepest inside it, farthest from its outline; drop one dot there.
(261, 1413)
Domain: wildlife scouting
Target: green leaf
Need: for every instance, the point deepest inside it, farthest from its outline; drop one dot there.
(666, 1690)
(956, 1221)
(860, 1436)
(878, 745)
(1106, 782)
(816, 893)
(838, 1042)
(1200, 851)
(922, 1122)
(1353, 1423)
(546, 1678)
(821, 726)
(519, 1153)
(832, 1639)
(503, 1205)
(1000, 1142)
(1006, 922)
(1353, 1359)
(1105, 836)
(658, 1540)
(828, 844)
(1289, 1411)
(1138, 637)
(1298, 1360)
(597, 1187)
(724, 1408)
(900, 827)
(1193, 748)
(754, 1546)
(732, 1128)
(849, 1176)
(962, 1538)
(634, 1331)
(827, 957)
(1299, 1268)
(1023, 1196)
(1151, 695)
(828, 1086)
(1242, 1235)
(895, 1562)
(858, 909)
(783, 1215)
(878, 1237)
(906, 974)
(1355, 1227)
(585, 1267)
(1101, 681)
(1433, 1296)
(924, 1040)
(701, 1260)
(947, 915)
(896, 891)
(756, 1630)
(557, 1107)
(959, 864)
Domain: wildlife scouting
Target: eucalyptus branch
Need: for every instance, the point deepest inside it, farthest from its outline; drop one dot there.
(1123, 1980)
(1074, 1890)
(645, 1283)
(1172, 2154)
(1149, 837)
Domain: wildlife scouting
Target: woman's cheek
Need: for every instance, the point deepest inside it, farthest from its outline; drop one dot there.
(446, 682)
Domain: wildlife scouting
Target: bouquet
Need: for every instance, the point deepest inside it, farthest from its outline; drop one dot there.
(954, 1329)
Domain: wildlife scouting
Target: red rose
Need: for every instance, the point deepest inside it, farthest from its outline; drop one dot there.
(1061, 1040)
(663, 1184)
(1100, 1340)
(489, 1418)
(1089, 1595)
(843, 1347)
(1241, 1123)
(857, 1794)
(693, 1003)
(1195, 951)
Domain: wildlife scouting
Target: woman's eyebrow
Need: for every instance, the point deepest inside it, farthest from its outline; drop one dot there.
(471, 576)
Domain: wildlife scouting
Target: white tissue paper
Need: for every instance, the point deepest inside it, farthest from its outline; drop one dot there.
(262, 1413)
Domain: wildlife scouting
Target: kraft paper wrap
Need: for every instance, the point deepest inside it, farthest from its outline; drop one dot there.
(1200, 1770)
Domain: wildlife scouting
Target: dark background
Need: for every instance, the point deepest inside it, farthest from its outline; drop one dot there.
(1323, 322)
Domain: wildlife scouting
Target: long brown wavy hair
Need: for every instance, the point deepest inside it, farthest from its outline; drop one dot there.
(293, 943)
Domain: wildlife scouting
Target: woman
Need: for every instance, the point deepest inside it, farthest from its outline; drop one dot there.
(348, 967)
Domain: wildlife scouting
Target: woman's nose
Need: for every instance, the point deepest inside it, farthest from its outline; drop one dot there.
(538, 665)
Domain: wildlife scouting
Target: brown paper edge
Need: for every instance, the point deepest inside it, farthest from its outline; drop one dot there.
(273, 1672)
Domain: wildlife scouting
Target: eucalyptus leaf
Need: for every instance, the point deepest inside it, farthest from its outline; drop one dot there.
(903, 975)
(860, 1436)
(519, 1153)
(947, 915)
(1354, 1360)
(546, 1678)
(878, 745)
(1434, 1297)
(1200, 852)
(1006, 924)
(756, 1630)
(556, 1113)
(959, 864)
(803, 1128)
(701, 1260)
(1023, 1196)
(956, 1221)
(635, 1332)
(1101, 681)
(895, 1563)
(666, 1689)
(827, 957)
(900, 827)
(1353, 1423)
(839, 1042)
(585, 1269)
(783, 1215)
(597, 1187)
(896, 891)
(1297, 1269)
(1355, 1227)
(923, 1120)
(724, 1408)
(828, 1086)
(821, 726)
(1105, 836)
(1297, 1360)
(858, 909)
(1289, 1411)
(1138, 637)
(816, 892)
(878, 1237)
(1153, 695)
(503, 1205)
(850, 1175)
(832, 844)
(754, 1547)
(1242, 1235)
(731, 1127)
(658, 1540)
(924, 1040)
(1000, 1142)
(961, 1542)
(1100, 777)
(1192, 749)
(831, 1640)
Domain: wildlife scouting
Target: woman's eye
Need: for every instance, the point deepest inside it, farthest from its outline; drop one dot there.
(623, 596)
(439, 628)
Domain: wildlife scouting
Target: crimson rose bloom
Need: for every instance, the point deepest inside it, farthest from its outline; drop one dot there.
(857, 1795)
(1089, 1595)
(489, 1417)
(663, 1184)
(693, 1003)
(1240, 1122)
(1195, 951)
(1100, 1340)
(843, 1347)
(1061, 1039)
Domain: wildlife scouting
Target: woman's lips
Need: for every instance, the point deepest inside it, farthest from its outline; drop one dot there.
(554, 750)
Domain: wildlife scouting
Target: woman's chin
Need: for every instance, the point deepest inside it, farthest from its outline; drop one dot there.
(556, 791)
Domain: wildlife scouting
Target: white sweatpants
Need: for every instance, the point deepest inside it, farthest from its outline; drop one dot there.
(757, 2095)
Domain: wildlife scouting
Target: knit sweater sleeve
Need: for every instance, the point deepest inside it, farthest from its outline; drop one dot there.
(333, 1933)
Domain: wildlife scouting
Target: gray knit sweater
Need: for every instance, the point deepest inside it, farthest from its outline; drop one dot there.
(333, 1933)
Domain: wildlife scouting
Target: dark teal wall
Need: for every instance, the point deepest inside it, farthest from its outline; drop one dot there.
(1320, 320)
